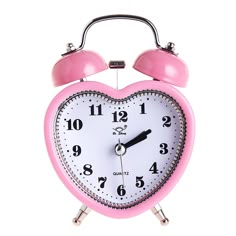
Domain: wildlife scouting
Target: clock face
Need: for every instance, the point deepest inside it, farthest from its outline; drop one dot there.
(89, 126)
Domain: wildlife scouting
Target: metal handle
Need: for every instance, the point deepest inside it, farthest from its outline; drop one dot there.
(120, 16)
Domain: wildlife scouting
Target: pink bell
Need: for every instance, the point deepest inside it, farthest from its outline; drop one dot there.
(77, 65)
(163, 65)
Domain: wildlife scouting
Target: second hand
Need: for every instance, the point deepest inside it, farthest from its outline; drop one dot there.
(120, 153)
(122, 170)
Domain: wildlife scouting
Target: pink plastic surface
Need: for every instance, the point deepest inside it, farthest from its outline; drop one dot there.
(163, 66)
(74, 88)
(76, 66)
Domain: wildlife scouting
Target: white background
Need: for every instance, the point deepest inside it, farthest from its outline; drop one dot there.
(33, 34)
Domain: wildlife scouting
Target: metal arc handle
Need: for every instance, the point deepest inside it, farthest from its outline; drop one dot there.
(120, 16)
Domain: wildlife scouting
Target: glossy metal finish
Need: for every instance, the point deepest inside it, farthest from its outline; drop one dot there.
(124, 17)
(116, 64)
(83, 212)
(158, 212)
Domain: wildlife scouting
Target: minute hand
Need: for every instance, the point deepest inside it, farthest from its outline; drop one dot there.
(142, 136)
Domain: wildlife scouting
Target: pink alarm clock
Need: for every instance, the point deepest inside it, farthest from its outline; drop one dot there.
(120, 151)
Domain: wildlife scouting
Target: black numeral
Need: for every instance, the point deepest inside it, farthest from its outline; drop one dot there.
(154, 169)
(139, 182)
(121, 116)
(167, 121)
(76, 124)
(102, 181)
(98, 110)
(142, 108)
(164, 148)
(87, 169)
(121, 190)
(76, 150)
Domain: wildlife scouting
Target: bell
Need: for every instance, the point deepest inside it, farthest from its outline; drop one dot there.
(163, 65)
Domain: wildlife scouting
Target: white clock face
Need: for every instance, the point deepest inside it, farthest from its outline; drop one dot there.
(87, 129)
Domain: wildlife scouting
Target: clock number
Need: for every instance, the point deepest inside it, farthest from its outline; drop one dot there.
(164, 148)
(167, 121)
(102, 181)
(139, 182)
(87, 169)
(154, 169)
(98, 110)
(142, 108)
(77, 124)
(121, 116)
(121, 190)
(76, 150)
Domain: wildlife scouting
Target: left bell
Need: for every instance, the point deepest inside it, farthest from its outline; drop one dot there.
(76, 66)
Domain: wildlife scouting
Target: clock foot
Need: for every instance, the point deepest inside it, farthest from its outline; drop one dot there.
(83, 212)
(158, 212)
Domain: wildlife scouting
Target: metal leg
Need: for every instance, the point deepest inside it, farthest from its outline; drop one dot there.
(158, 212)
(83, 212)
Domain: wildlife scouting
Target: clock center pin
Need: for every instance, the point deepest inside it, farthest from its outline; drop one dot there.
(120, 149)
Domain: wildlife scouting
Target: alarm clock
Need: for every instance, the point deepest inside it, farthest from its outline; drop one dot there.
(120, 151)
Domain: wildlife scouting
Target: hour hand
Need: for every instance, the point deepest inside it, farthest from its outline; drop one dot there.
(142, 136)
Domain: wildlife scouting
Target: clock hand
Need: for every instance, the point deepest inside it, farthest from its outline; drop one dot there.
(120, 148)
(122, 171)
(142, 136)
(120, 151)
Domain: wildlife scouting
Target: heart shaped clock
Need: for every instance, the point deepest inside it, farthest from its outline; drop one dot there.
(120, 152)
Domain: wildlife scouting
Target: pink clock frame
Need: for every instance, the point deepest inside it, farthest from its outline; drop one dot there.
(118, 94)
